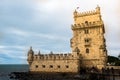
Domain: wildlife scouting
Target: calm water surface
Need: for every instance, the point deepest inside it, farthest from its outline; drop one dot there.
(7, 69)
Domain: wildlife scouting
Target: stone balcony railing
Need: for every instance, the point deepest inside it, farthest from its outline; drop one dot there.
(88, 25)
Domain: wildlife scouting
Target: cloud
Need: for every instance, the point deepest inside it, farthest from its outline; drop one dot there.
(12, 52)
(29, 34)
(16, 31)
(46, 25)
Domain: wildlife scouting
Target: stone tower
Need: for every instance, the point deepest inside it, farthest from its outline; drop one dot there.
(88, 37)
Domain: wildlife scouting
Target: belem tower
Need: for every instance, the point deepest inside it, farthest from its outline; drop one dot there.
(88, 47)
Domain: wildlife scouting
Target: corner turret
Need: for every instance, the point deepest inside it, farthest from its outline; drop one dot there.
(98, 9)
(30, 56)
(75, 13)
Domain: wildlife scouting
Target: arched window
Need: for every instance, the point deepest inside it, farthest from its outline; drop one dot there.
(87, 50)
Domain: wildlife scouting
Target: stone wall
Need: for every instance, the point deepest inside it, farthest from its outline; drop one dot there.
(70, 65)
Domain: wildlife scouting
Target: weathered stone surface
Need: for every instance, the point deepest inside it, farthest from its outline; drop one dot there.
(88, 47)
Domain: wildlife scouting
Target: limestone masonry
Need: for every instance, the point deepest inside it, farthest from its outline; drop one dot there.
(88, 47)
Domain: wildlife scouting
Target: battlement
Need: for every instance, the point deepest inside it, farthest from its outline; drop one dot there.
(52, 56)
(87, 13)
(89, 17)
(87, 24)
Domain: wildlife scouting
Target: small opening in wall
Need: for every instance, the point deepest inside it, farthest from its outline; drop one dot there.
(51, 66)
(86, 22)
(43, 66)
(104, 50)
(58, 66)
(36, 66)
(67, 66)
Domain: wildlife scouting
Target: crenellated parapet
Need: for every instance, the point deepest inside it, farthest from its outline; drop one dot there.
(87, 13)
(51, 56)
(89, 17)
(80, 14)
(56, 56)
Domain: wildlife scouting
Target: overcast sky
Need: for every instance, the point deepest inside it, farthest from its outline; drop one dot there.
(46, 26)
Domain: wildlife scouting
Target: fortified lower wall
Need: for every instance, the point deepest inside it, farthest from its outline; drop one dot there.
(68, 62)
(62, 65)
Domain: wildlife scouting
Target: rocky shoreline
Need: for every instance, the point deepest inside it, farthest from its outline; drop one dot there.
(63, 76)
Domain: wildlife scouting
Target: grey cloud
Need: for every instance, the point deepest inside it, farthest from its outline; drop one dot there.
(26, 23)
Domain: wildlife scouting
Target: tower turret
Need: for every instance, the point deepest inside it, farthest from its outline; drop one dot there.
(75, 13)
(98, 9)
(30, 56)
